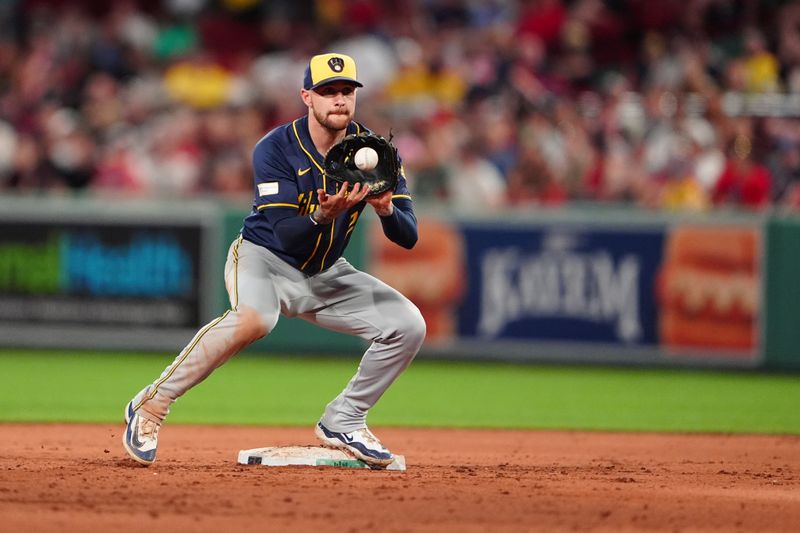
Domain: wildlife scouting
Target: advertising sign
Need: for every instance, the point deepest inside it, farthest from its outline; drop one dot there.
(614, 292)
(121, 274)
(561, 283)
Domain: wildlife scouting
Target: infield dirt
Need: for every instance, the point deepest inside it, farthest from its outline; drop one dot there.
(66, 478)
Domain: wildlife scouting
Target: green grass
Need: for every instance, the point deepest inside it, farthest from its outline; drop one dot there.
(39, 386)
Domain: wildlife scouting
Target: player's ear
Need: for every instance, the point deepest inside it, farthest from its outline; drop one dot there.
(306, 97)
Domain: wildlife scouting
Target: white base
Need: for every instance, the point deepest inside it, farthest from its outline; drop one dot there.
(310, 456)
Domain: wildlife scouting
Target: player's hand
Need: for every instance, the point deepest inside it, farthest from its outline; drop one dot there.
(382, 204)
(331, 206)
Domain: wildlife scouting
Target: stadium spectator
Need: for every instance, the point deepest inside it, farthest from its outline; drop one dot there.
(743, 182)
(628, 101)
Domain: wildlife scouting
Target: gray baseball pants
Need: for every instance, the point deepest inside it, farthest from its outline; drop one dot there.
(261, 287)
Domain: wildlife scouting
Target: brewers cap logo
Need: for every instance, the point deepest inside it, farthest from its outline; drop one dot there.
(336, 64)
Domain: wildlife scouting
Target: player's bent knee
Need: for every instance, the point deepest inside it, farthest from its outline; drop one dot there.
(411, 327)
(252, 325)
(416, 327)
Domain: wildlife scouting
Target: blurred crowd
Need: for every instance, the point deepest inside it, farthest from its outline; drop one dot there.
(678, 104)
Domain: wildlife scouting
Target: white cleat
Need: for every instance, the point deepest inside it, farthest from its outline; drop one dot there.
(361, 443)
(140, 438)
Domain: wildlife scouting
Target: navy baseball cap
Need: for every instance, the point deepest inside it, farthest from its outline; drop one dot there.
(327, 68)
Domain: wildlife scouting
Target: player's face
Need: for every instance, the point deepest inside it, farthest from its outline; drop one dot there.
(333, 104)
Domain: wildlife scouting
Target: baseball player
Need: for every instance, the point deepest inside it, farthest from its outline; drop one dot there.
(288, 260)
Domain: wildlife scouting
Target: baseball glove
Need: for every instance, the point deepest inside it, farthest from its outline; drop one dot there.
(340, 164)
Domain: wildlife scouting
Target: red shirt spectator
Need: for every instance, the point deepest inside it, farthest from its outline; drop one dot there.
(543, 18)
(743, 182)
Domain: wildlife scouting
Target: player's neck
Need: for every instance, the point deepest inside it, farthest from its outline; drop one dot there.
(322, 137)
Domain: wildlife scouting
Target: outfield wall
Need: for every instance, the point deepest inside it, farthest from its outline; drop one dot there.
(598, 286)
(585, 284)
(95, 273)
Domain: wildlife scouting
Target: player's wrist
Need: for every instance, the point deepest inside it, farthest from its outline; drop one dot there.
(386, 211)
(319, 219)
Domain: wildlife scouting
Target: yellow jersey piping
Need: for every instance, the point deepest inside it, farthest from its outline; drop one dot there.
(264, 206)
(310, 157)
(236, 273)
(330, 244)
(319, 238)
(151, 394)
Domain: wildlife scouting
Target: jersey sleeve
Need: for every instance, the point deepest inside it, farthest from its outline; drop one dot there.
(401, 226)
(275, 183)
(401, 189)
(276, 193)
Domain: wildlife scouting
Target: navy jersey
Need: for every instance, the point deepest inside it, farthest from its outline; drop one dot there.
(288, 171)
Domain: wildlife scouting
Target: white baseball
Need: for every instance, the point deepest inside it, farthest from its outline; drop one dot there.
(366, 158)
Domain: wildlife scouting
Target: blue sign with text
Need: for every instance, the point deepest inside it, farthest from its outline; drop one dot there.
(101, 274)
(561, 282)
